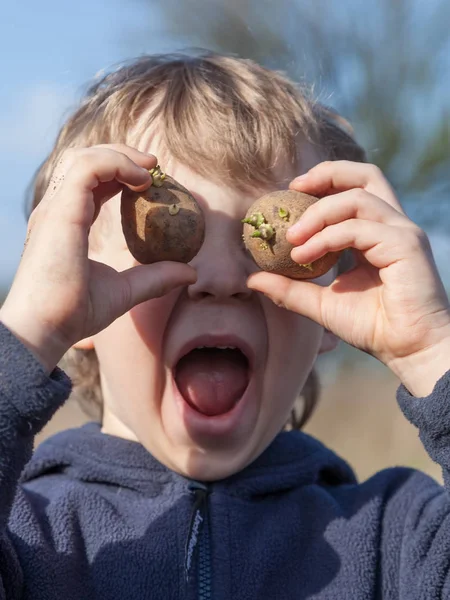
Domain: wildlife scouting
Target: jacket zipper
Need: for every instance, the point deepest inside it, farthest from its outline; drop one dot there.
(198, 541)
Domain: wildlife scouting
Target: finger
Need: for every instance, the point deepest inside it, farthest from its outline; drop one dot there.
(331, 177)
(145, 282)
(381, 244)
(302, 297)
(98, 165)
(352, 204)
(92, 168)
(143, 159)
(72, 155)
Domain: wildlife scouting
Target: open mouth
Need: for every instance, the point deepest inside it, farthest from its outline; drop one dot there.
(212, 379)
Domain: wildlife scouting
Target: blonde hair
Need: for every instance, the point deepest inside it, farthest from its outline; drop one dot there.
(226, 118)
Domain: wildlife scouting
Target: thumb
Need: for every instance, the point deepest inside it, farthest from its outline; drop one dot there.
(302, 297)
(145, 282)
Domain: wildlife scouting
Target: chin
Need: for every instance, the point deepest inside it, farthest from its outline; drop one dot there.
(213, 466)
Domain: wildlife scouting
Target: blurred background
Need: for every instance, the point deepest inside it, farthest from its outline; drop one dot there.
(383, 64)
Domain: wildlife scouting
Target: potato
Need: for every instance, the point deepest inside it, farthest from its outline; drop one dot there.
(164, 222)
(264, 235)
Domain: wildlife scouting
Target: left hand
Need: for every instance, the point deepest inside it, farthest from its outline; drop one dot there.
(393, 304)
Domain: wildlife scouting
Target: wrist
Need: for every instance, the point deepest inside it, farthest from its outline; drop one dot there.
(43, 346)
(420, 372)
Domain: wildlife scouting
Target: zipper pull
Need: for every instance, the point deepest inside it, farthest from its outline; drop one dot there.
(198, 516)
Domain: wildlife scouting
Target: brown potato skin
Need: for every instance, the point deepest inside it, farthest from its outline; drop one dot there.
(152, 233)
(275, 255)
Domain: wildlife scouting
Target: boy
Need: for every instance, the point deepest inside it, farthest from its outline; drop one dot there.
(188, 489)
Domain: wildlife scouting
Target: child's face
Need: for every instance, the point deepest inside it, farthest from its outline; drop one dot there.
(139, 352)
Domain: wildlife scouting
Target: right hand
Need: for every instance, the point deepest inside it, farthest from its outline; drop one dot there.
(59, 296)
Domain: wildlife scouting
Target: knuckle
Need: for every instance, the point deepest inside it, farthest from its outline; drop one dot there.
(109, 153)
(119, 151)
(374, 170)
(415, 238)
(422, 240)
(121, 148)
(326, 164)
(358, 195)
(122, 157)
(82, 161)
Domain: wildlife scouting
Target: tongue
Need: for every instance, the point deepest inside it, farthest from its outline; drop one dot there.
(212, 380)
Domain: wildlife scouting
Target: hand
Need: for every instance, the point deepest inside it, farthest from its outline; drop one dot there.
(392, 304)
(59, 296)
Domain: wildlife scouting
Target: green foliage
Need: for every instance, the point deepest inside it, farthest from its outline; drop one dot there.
(383, 64)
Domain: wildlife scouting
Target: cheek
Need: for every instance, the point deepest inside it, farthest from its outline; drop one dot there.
(149, 320)
(130, 354)
(135, 341)
(294, 343)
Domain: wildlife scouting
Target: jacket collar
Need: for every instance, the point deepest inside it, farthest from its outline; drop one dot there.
(292, 459)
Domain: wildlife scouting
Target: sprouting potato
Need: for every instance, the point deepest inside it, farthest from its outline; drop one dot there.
(164, 222)
(264, 235)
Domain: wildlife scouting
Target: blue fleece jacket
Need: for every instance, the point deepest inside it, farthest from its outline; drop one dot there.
(92, 516)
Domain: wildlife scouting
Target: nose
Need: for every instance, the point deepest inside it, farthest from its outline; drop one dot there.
(222, 271)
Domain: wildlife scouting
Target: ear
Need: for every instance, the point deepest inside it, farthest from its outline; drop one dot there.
(329, 342)
(86, 344)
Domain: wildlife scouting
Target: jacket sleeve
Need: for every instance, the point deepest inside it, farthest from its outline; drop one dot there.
(415, 548)
(28, 399)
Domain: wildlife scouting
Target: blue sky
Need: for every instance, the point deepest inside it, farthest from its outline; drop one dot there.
(48, 51)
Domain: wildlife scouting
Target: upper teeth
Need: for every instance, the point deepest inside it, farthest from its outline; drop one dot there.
(219, 347)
